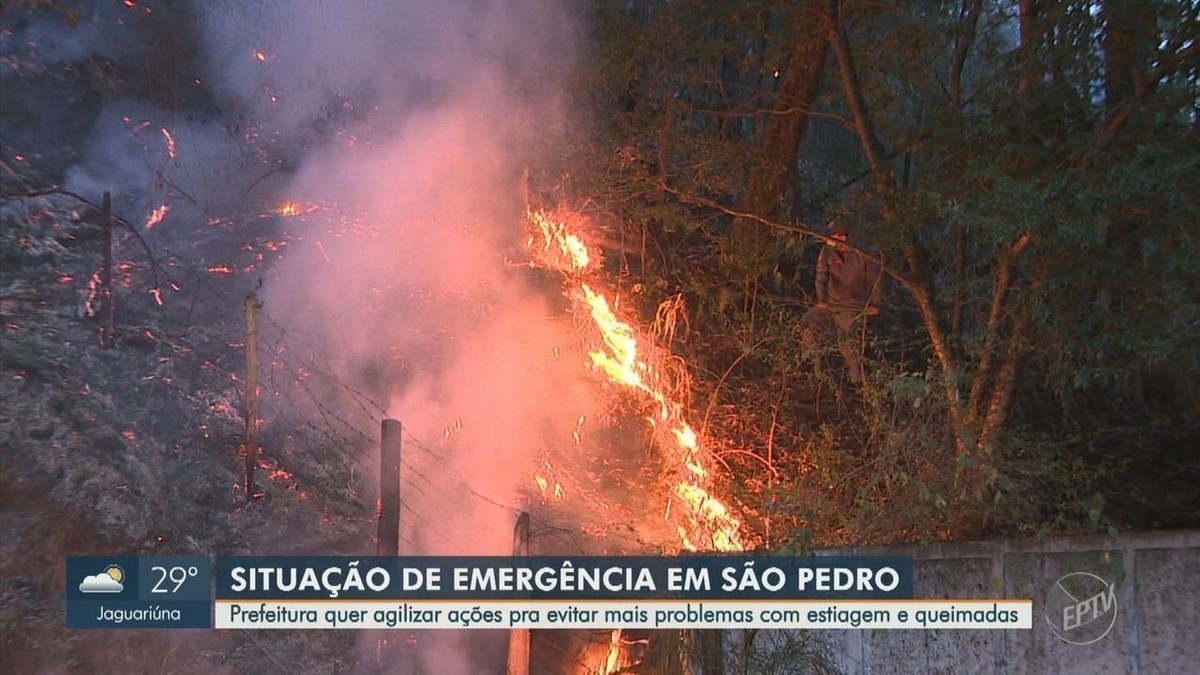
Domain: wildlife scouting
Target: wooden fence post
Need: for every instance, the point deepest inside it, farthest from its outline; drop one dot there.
(251, 443)
(389, 490)
(519, 638)
(703, 651)
(393, 652)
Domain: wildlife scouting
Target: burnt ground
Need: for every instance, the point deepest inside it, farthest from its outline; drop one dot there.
(133, 447)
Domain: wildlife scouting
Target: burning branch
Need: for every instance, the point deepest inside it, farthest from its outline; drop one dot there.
(628, 358)
(108, 309)
(155, 267)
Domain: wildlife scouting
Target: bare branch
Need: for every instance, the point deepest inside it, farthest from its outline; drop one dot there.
(155, 267)
(1166, 66)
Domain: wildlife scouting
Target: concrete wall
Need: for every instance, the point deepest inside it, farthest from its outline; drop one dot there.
(1157, 628)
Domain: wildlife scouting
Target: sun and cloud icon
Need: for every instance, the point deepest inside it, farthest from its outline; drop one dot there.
(108, 581)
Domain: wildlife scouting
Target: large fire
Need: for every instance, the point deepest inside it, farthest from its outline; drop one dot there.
(634, 361)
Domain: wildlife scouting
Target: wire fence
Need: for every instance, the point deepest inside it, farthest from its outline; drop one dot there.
(300, 395)
(345, 420)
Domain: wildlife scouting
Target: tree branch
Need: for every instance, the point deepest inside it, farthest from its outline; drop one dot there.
(1000, 295)
(1006, 375)
(918, 286)
(968, 20)
(805, 230)
(155, 267)
(852, 88)
(1166, 66)
(769, 179)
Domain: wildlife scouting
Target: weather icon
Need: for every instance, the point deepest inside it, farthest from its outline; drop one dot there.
(108, 581)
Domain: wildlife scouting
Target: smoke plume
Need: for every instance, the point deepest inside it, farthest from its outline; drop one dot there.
(413, 121)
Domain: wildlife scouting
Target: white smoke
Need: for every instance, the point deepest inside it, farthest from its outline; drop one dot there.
(73, 34)
(417, 118)
(130, 156)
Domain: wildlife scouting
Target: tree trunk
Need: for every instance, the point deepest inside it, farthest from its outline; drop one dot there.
(1126, 33)
(1000, 307)
(1006, 375)
(769, 180)
(969, 19)
(1027, 14)
(956, 312)
(919, 286)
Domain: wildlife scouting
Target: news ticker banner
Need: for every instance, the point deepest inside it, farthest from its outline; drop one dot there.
(505, 592)
(565, 578)
(627, 614)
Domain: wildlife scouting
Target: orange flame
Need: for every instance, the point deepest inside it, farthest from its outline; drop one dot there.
(572, 253)
(614, 652)
(623, 360)
(170, 143)
(155, 216)
(288, 209)
(604, 658)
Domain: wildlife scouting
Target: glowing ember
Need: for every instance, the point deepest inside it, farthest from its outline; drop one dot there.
(623, 359)
(155, 217)
(288, 209)
(170, 143)
(549, 485)
(575, 432)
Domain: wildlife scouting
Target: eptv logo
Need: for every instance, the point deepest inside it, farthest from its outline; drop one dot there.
(1081, 608)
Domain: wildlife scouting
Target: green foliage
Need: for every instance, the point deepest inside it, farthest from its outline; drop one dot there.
(1069, 486)
(770, 652)
(1101, 314)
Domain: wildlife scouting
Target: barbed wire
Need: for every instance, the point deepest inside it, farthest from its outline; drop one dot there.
(288, 370)
(359, 397)
(292, 359)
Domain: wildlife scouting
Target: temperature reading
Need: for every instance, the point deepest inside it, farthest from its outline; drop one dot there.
(176, 574)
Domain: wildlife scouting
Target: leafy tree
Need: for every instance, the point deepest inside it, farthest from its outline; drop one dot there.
(1030, 165)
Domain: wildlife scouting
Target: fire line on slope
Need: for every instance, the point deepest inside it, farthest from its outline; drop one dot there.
(631, 360)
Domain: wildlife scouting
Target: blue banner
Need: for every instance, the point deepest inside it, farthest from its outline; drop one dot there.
(143, 592)
(568, 578)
